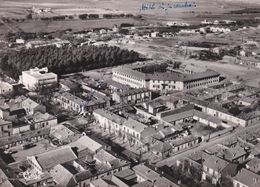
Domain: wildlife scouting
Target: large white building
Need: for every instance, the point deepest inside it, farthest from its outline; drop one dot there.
(157, 81)
(34, 78)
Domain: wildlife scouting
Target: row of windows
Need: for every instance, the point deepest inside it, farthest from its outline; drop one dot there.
(124, 129)
(130, 81)
(204, 79)
(44, 124)
(47, 79)
(129, 76)
(201, 84)
(164, 82)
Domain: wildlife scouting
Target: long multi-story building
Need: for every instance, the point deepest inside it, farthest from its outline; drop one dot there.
(36, 78)
(132, 95)
(135, 78)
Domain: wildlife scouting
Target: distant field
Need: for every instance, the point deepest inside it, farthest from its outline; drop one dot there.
(76, 25)
(16, 7)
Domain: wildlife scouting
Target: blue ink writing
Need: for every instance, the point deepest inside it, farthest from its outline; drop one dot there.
(166, 6)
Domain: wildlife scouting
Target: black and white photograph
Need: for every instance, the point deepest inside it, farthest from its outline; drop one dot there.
(129, 93)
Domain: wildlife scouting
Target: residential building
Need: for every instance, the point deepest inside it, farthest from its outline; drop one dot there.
(47, 160)
(183, 143)
(246, 178)
(132, 95)
(62, 134)
(209, 120)
(215, 109)
(5, 128)
(20, 126)
(162, 149)
(28, 136)
(108, 120)
(85, 142)
(40, 120)
(31, 107)
(254, 165)
(5, 87)
(133, 130)
(11, 111)
(127, 175)
(247, 101)
(144, 174)
(34, 179)
(214, 168)
(62, 176)
(108, 181)
(105, 163)
(71, 102)
(178, 115)
(167, 133)
(236, 154)
(38, 78)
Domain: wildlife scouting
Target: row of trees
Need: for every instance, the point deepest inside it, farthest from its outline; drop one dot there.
(57, 18)
(85, 17)
(67, 59)
(108, 16)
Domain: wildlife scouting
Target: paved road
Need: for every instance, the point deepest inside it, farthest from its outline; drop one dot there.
(239, 131)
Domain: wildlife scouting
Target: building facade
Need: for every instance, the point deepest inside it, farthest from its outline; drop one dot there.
(73, 103)
(5, 128)
(36, 78)
(164, 80)
(132, 95)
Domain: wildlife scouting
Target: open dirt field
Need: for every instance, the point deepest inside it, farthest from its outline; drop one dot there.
(17, 8)
(76, 25)
(163, 49)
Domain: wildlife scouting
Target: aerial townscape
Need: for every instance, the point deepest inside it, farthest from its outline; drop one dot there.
(119, 93)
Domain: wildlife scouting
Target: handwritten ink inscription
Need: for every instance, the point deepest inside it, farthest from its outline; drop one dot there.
(166, 6)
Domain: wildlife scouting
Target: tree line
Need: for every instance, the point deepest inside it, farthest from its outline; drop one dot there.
(67, 59)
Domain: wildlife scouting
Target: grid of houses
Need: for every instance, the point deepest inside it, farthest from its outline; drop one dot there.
(118, 132)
